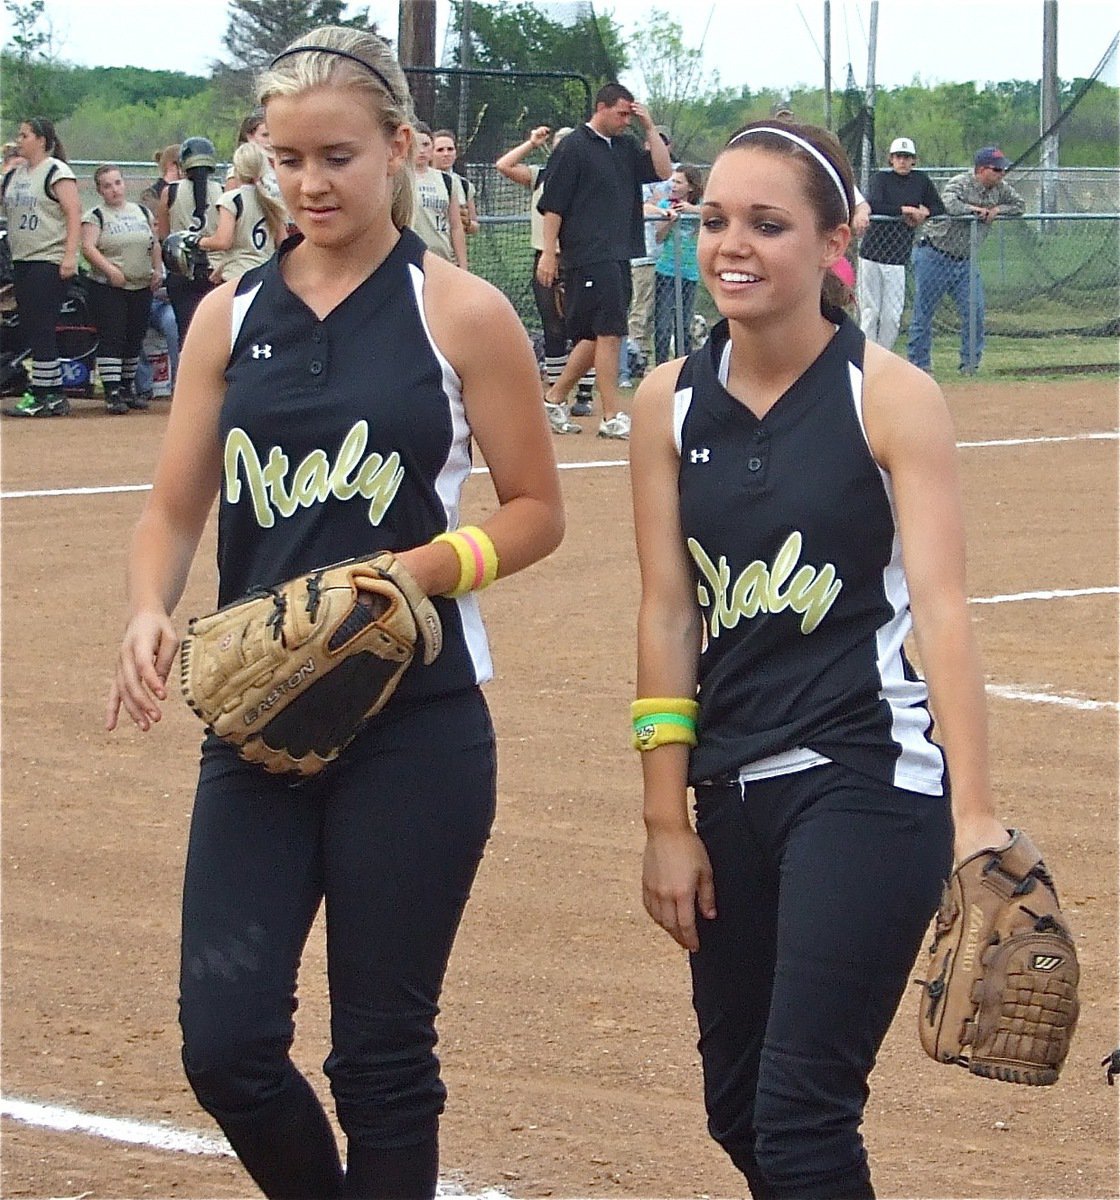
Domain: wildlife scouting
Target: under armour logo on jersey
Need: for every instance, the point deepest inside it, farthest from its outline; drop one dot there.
(699, 456)
(260, 351)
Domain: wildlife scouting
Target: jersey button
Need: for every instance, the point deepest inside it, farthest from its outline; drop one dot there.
(754, 464)
(316, 367)
(316, 335)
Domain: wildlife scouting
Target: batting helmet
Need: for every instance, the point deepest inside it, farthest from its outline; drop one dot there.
(182, 256)
(197, 152)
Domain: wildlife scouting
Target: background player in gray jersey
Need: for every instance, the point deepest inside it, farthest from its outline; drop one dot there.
(808, 883)
(44, 217)
(119, 242)
(354, 332)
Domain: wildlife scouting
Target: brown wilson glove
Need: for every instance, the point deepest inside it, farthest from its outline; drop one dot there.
(290, 674)
(1000, 992)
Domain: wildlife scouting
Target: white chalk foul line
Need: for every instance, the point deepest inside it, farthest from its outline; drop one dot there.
(1077, 702)
(111, 489)
(115, 1129)
(121, 488)
(157, 1137)
(1056, 594)
(1110, 435)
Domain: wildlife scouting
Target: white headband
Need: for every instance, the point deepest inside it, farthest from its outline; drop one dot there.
(832, 172)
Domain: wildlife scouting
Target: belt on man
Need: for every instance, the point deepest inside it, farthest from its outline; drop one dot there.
(938, 250)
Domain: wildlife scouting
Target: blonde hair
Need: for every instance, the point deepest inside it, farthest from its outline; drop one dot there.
(361, 62)
(249, 166)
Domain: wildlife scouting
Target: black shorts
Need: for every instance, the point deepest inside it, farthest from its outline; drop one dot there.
(597, 300)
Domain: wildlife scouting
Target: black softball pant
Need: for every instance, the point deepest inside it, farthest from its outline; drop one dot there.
(121, 317)
(185, 296)
(40, 291)
(390, 837)
(825, 884)
(551, 309)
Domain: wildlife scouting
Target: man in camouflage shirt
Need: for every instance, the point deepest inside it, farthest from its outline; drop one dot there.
(941, 256)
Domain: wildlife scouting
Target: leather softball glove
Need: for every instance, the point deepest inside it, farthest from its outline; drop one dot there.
(290, 674)
(1000, 992)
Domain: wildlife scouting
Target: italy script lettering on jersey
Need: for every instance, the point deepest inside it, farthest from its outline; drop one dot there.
(808, 590)
(375, 477)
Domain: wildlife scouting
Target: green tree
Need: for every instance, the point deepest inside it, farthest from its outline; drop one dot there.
(519, 36)
(27, 76)
(257, 30)
(675, 84)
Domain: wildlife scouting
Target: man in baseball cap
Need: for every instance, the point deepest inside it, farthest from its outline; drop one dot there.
(944, 258)
(991, 156)
(904, 198)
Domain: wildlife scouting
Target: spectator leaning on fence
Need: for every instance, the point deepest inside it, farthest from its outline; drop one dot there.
(909, 197)
(677, 257)
(941, 258)
(638, 345)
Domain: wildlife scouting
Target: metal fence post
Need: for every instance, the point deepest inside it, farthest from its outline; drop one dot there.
(973, 292)
(678, 298)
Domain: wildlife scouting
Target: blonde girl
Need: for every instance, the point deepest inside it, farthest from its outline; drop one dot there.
(251, 224)
(329, 400)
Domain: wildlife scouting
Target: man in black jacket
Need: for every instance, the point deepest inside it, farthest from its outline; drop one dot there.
(908, 197)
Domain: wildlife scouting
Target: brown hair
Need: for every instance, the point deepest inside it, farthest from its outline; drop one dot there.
(376, 76)
(249, 125)
(43, 128)
(820, 189)
(695, 181)
(103, 170)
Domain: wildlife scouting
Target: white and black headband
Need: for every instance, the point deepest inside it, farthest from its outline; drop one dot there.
(833, 174)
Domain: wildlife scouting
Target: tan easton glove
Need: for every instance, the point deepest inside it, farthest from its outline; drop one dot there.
(1000, 993)
(290, 674)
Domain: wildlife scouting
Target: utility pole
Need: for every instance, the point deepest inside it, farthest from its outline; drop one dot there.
(416, 46)
(869, 98)
(465, 60)
(828, 64)
(1048, 108)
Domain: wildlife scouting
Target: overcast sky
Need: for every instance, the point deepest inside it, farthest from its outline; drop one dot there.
(773, 44)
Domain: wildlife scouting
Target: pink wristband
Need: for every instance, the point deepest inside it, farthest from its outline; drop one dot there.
(479, 561)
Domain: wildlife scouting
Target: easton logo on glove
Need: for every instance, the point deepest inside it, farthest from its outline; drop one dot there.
(290, 674)
(1000, 993)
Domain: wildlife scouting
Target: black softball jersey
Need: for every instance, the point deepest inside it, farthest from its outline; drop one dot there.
(791, 530)
(342, 437)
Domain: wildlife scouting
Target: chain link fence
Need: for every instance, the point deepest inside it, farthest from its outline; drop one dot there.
(1042, 290)
(1049, 283)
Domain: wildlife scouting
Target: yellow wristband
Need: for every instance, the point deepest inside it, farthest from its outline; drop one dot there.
(660, 720)
(680, 705)
(478, 560)
(484, 556)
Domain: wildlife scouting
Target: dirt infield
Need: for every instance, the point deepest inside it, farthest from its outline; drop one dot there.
(567, 1036)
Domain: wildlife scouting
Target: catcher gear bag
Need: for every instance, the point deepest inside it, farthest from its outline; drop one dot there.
(1000, 993)
(290, 674)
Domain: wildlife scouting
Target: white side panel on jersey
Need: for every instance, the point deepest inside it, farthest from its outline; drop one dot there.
(242, 302)
(920, 765)
(682, 401)
(449, 482)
